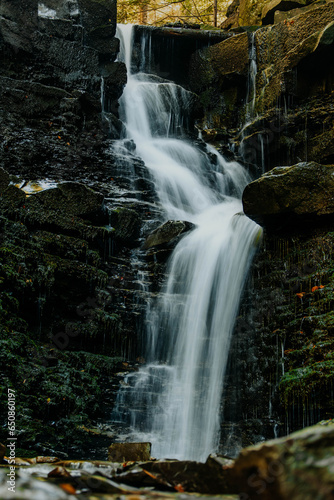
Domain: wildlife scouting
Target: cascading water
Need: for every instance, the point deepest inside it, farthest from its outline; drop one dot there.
(174, 400)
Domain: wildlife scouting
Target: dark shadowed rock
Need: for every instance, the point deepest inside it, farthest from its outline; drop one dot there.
(18, 22)
(127, 224)
(71, 198)
(129, 452)
(98, 13)
(304, 189)
(4, 179)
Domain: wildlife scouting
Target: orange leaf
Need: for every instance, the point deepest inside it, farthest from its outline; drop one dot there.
(179, 488)
(314, 288)
(59, 137)
(68, 488)
(321, 286)
(300, 295)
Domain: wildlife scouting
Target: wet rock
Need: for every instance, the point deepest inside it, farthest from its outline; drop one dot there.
(30, 98)
(97, 13)
(71, 198)
(18, 21)
(296, 467)
(187, 476)
(126, 452)
(4, 179)
(166, 233)
(224, 58)
(305, 189)
(127, 224)
(14, 196)
(219, 75)
(114, 82)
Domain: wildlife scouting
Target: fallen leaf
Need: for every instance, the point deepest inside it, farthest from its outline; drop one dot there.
(68, 488)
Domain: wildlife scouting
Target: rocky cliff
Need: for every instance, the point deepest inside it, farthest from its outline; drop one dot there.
(71, 298)
(268, 94)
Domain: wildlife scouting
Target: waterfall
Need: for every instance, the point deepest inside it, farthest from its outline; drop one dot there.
(174, 400)
(251, 87)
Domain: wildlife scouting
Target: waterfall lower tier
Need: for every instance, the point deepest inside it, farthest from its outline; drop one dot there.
(174, 401)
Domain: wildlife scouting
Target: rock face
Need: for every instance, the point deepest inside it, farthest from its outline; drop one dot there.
(249, 13)
(303, 189)
(219, 75)
(275, 114)
(71, 198)
(172, 49)
(67, 309)
(283, 76)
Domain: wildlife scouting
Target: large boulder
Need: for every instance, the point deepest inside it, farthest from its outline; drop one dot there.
(296, 467)
(304, 189)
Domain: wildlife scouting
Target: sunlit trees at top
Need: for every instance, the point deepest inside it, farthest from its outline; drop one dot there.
(159, 12)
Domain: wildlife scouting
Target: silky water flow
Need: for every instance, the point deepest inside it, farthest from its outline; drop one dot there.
(174, 400)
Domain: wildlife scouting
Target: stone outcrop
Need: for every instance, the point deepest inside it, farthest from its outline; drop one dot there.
(305, 189)
(166, 233)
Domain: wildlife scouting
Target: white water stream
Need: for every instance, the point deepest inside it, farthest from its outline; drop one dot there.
(174, 400)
